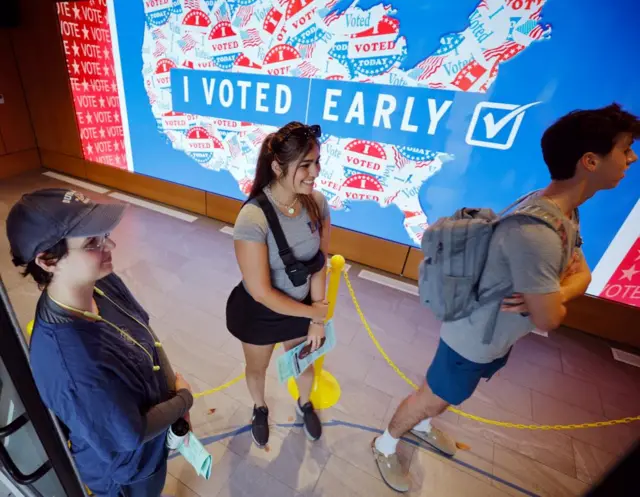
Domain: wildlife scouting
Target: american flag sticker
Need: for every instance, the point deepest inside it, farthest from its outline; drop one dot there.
(251, 38)
(429, 67)
(159, 50)
(503, 52)
(243, 16)
(187, 43)
(306, 70)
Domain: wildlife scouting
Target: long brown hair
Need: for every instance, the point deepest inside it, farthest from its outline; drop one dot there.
(287, 147)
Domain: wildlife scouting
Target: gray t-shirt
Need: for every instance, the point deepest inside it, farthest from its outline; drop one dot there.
(301, 235)
(528, 254)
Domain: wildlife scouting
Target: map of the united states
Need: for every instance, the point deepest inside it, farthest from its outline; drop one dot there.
(314, 39)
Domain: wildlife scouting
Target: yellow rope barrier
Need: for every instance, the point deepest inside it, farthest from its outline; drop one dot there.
(221, 387)
(226, 385)
(480, 419)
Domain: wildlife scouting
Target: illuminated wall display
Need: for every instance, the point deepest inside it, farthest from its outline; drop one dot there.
(423, 108)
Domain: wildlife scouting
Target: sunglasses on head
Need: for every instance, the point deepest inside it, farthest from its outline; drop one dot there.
(304, 132)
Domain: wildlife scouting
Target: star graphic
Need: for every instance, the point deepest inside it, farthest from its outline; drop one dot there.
(85, 33)
(106, 70)
(629, 273)
(85, 85)
(116, 146)
(106, 53)
(89, 149)
(76, 49)
(101, 101)
(76, 67)
(114, 87)
(89, 118)
(102, 133)
(116, 117)
(76, 12)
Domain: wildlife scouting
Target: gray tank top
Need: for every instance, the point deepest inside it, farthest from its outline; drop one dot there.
(301, 235)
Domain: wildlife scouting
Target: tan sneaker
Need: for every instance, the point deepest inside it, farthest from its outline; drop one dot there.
(438, 440)
(391, 470)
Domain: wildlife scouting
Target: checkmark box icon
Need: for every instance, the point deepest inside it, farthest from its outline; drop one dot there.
(492, 121)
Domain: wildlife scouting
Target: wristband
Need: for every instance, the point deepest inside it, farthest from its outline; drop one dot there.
(319, 323)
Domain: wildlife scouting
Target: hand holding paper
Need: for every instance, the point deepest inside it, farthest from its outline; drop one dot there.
(196, 455)
(295, 361)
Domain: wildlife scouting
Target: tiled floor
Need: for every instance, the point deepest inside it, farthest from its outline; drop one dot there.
(182, 273)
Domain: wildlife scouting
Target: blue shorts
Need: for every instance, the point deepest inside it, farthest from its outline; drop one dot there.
(454, 378)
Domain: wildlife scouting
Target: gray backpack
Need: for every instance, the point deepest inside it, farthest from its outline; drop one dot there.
(455, 252)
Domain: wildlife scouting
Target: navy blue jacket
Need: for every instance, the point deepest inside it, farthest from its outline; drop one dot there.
(101, 386)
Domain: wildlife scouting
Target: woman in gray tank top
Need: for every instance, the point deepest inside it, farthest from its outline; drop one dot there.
(271, 305)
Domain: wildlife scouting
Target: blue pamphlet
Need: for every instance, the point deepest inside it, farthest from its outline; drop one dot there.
(197, 456)
(293, 363)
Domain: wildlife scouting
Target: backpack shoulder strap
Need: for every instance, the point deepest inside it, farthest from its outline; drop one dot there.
(526, 196)
(274, 224)
(537, 211)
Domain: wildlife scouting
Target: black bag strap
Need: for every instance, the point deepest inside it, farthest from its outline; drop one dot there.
(274, 224)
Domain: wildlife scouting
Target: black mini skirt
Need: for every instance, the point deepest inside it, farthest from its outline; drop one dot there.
(253, 323)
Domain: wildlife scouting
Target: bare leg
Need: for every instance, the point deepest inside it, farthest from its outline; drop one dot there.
(419, 406)
(415, 408)
(305, 380)
(257, 358)
(305, 409)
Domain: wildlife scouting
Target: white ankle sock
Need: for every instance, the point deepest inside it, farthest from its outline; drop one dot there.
(423, 426)
(386, 443)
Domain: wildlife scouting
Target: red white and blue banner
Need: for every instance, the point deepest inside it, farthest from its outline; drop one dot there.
(424, 106)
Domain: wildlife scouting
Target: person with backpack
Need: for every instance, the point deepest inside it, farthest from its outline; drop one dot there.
(492, 279)
(281, 239)
(96, 360)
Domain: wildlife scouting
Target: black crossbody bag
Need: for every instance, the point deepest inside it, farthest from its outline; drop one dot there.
(297, 271)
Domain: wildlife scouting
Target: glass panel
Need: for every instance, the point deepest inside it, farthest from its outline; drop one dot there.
(7, 488)
(23, 446)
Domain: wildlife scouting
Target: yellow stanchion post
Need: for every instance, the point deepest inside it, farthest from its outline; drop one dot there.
(325, 392)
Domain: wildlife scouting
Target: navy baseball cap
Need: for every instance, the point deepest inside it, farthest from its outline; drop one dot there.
(41, 219)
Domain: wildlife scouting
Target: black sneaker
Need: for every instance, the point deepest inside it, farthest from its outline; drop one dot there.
(312, 424)
(260, 426)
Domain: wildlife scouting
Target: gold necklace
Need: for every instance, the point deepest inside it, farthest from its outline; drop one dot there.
(124, 334)
(290, 208)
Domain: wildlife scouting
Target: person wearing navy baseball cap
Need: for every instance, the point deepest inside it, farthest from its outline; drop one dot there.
(96, 361)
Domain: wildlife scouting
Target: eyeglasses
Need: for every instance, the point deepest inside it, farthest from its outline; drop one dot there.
(95, 242)
(304, 132)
